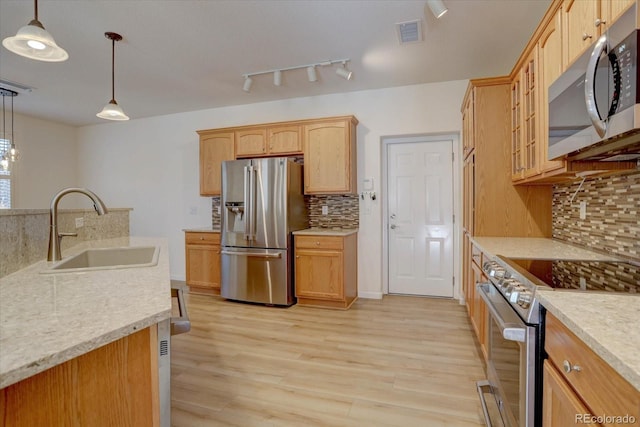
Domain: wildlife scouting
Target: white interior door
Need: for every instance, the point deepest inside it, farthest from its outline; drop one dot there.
(420, 223)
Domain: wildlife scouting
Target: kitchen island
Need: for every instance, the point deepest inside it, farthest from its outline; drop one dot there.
(85, 342)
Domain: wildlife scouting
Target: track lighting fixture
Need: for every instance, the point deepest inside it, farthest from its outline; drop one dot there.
(247, 84)
(34, 42)
(112, 111)
(344, 72)
(312, 75)
(437, 8)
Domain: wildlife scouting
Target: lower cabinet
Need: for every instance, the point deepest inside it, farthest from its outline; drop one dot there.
(579, 387)
(326, 270)
(202, 253)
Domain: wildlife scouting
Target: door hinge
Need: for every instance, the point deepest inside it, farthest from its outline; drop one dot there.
(453, 156)
(454, 218)
(453, 280)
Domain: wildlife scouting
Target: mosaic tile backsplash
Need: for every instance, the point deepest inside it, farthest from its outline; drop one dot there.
(612, 225)
(343, 211)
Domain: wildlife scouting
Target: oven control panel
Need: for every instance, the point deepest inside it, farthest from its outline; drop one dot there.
(514, 287)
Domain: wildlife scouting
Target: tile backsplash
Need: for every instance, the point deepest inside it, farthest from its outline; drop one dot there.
(343, 211)
(611, 225)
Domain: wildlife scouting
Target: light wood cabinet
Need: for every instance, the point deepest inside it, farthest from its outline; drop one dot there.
(467, 125)
(326, 270)
(560, 404)
(276, 140)
(202, 253)
(114, 385)
(587, 380)
(584, 21)
(215, 147)
(330, 156)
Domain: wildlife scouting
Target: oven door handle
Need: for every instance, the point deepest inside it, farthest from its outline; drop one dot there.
(510, 331)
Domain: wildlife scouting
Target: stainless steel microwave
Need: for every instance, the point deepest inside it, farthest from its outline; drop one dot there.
(594, 106)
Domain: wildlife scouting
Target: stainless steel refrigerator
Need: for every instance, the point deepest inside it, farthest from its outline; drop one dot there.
(262, 203)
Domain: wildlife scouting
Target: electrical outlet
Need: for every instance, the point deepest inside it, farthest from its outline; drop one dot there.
(583, 284)
(325, 210)
(583, 210)
(79, 222)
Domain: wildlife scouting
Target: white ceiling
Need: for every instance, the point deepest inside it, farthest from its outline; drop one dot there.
(187, 55)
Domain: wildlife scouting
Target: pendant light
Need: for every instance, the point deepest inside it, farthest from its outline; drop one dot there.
(34, 42)
(112, 110)
(12, 154)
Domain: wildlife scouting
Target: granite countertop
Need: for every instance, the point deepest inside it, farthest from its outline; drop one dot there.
(326, 232)
(47, 319)
(537, 248)
(609, 323)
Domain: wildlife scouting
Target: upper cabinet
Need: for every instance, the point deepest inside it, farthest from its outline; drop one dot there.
(328, 146)
(276, 140)
(567, 30)
(330, 156)
(215, 147)
(585, 21)
(467, 123)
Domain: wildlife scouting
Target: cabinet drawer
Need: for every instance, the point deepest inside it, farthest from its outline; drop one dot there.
(320, 242)
(202, 238)
(602, 389)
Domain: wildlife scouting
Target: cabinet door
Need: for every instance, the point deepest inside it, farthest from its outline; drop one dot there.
(203, 266)
(610, 10)
(319, 274)
(530, 107)
(285, 139)
(468, 194)
(560, 405)
(551, 66)
(479, 308)
(251, 142)
(328, 163)
(214, 149)
(467, 125)
(517, 152)
(579, 28)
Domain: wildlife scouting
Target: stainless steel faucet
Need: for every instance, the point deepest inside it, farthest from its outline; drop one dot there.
(54, 253)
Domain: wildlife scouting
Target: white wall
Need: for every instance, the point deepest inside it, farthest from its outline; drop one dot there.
(47, 162)
(151, 164)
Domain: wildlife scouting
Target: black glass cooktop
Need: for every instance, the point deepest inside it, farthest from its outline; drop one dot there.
(586, 275)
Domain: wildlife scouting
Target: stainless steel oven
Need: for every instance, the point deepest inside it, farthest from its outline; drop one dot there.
(512, 360)
(514, 355)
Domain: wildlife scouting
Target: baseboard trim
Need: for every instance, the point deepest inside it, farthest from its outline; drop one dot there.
(370, 295)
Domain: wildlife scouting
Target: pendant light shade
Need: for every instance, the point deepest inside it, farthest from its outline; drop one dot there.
(437, 8)
(112, 111)
(34, 42)
(11, 154)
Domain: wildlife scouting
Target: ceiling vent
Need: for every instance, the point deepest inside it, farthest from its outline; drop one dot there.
(409, 32)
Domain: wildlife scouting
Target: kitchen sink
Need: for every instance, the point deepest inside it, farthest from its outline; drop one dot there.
(108, 259)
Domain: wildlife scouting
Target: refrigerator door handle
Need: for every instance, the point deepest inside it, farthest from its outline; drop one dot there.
(253, 254)
(247, 203)
(252, 201)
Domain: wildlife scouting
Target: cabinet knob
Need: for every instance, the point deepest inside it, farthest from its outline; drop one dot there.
(201, 238)
(566, 365)
(297, 256)
(586, 36)
(600, 22)
(317, 243)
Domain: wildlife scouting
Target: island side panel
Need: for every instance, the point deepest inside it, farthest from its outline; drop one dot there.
(116, 384)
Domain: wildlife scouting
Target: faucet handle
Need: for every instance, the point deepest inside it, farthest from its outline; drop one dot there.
(60, 235)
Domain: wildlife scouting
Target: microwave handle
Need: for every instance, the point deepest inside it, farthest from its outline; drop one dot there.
(599, 124)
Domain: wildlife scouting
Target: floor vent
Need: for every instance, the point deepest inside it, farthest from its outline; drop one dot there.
(164, 347)
(409, 32)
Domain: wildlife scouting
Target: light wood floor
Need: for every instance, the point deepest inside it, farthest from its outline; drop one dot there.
(401, 361)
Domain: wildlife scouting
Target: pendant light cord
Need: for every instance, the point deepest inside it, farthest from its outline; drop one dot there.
(13, 137)
(35, 2)
(4, 128)
(113, 72)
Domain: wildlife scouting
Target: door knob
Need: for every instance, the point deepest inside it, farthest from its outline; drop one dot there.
(392, 226)
(393, 216)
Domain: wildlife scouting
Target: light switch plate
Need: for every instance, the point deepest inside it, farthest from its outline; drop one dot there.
(583, 210)
(79, 222)
(325, 210)
(367, 184)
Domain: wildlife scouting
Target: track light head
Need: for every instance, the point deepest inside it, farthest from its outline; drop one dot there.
(247, 84)
(277, 77)
(344, 72)
(311, 73)
(437, 8)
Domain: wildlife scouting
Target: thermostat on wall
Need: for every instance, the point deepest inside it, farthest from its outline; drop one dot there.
(367, 184)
